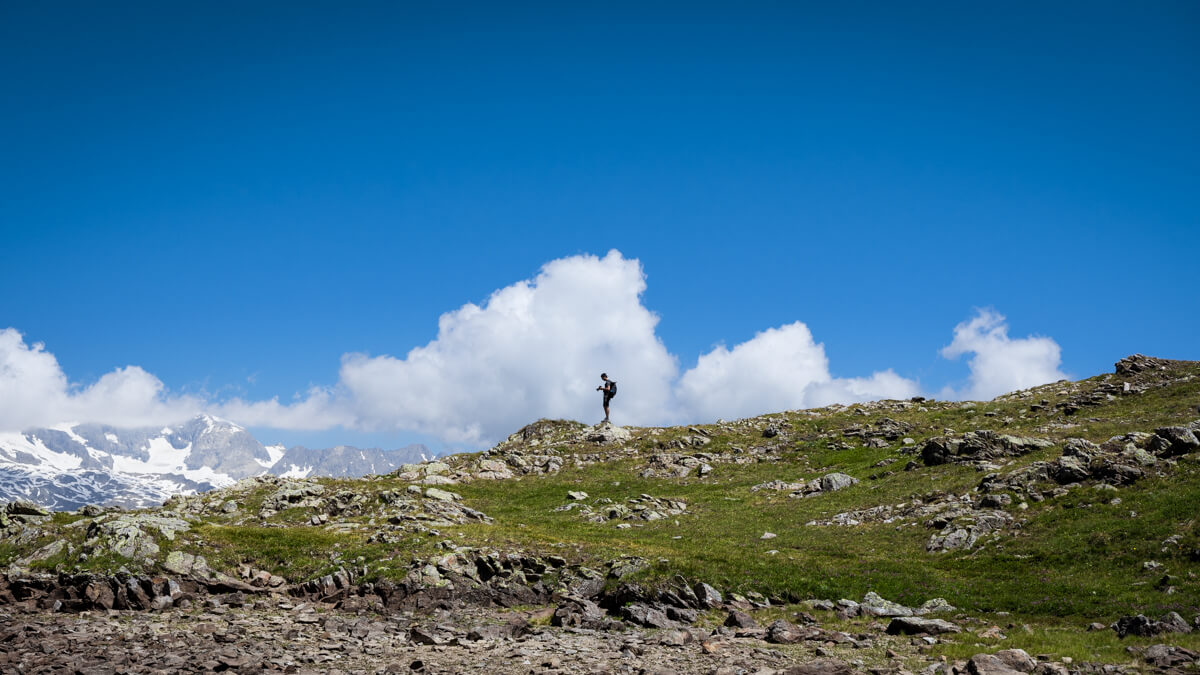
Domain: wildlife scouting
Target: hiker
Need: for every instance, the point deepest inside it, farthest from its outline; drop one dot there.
(610, 390)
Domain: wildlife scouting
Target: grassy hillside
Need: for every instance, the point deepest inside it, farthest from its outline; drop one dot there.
(1066, 553)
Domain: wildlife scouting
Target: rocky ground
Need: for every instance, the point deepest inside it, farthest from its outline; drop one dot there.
(276, 634)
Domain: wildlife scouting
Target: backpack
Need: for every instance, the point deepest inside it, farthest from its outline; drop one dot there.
(612, 388)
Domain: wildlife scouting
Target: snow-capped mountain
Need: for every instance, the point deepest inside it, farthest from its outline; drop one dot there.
(71, 465)
(342, 461)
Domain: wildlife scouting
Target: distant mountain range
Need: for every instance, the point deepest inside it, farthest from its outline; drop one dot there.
(71, 465)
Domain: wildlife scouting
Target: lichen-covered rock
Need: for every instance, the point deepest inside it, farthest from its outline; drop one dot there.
(1176, 441)
(132, 535)
(608, 433)
(875, 605)
(836, 481)
(294, 494)
(976, 446)
(964, 529)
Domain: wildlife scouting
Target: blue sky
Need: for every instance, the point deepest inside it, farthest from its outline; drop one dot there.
(232, 197)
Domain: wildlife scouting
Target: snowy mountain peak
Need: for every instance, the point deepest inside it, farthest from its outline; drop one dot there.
(70, 465)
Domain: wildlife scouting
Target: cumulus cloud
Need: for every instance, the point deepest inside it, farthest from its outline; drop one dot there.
(320, 408)
(778, 369)
(34, 391)
(532, 349)
(1001, 364)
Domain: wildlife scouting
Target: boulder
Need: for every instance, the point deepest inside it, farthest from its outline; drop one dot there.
(781, 632)
(608, 433)
(934, 606)
(132, 535)
(836, 481)
(1068, 469)
(738, 619)
(1143, 626)
(988, 664)
(441, 495)
(578, 613)
(874, 605)
(976, 446)
(294, 494)
(1017, 659)
(22, 507)
(1169, 656)
(912, 625)
(645, 615)
(707, 596)
(1176, 441)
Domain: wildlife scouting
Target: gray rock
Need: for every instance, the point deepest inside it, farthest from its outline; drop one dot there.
(988, 664)
(608, 433)
(738, 619)
(1177, 441)
(22, 507)
(707, 596)
(935, 606)
(626, 566)
(442, 495)
(913, 625)
(645, 615)
(836, 481)
(579, 613)
(131, 535)
(874, 605)
(1169, 656)
(1017, 659)
(1068, 469)
(1143, 626)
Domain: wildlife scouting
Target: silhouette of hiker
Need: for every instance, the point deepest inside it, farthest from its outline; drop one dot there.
(610, 390)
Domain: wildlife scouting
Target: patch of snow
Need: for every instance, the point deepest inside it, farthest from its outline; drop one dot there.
(32, 445)
(165, 458)
(112, 437)
(69, 429)
(296, 472)
(274, 454)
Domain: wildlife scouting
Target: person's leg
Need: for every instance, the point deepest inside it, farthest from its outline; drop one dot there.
(606, 409)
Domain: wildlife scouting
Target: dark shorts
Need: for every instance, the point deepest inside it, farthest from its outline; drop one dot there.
(607, 398)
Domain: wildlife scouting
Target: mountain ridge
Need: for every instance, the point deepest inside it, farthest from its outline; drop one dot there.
(70, 465)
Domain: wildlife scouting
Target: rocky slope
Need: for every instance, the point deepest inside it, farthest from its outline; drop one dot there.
(1048, 531)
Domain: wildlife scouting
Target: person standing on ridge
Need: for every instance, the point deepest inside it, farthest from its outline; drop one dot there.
(610, 390)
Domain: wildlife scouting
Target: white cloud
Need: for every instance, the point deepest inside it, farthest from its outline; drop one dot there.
(320, 409)
(1001, 364)
(778, 369)
(34, 391)
(532, 349)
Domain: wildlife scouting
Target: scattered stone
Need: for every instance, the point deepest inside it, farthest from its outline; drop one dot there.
(912, 625)
(707, 596)
(874, 605)
(738, 619)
